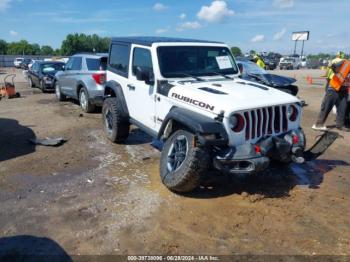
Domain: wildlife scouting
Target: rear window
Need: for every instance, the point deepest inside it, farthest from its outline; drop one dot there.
(96, 64)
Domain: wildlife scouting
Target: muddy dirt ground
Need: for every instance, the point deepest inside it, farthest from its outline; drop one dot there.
(92, 197)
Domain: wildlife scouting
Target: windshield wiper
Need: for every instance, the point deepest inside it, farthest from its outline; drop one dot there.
(188, 75)
(221, 74)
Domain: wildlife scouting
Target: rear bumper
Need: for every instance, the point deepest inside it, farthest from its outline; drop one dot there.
(50, 86)
(249, 158)
(96, 95)
(97, 100)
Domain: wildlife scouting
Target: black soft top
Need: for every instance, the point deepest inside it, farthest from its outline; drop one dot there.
(148, 40)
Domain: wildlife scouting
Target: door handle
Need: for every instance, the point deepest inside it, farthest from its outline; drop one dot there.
(131, 87)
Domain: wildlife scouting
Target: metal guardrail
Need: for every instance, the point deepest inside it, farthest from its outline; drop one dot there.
(7, 60)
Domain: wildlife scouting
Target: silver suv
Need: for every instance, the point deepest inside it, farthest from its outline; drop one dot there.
(83, 79)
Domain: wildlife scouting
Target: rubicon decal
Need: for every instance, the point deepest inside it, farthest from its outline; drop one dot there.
(193, 101)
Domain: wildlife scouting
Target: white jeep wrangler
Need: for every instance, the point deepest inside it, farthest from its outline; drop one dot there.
(189, 95)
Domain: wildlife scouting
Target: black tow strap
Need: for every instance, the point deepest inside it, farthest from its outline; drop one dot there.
(321, 145)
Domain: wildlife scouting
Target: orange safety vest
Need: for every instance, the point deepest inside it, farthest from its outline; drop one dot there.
(339, 78)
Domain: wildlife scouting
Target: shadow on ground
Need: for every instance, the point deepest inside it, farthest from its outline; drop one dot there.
(30, 248)
(276, 182)
(138, 137)
(14, 139)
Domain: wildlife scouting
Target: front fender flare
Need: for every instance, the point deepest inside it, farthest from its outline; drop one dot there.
(207, 130)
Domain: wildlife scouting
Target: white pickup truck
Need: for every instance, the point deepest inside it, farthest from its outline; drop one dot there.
(290, 63)
(189, 95)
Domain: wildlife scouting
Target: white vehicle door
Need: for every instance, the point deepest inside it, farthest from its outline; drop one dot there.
(140, 91)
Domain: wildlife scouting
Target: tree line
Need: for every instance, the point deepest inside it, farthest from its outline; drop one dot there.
(73, 43)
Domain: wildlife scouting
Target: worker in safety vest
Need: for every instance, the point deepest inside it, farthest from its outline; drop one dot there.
(339, 58)
(336, 93)
(259, 61)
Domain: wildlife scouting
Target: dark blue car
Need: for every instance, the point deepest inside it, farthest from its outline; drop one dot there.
(250, 71)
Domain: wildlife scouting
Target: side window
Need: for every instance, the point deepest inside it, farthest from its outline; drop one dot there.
(119, 58)
(77, 63)
(36, 69)
(96, 64)
(142, 58)
(70, 63)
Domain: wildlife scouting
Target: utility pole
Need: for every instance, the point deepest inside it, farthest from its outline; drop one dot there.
(295, 46)
(302, 50)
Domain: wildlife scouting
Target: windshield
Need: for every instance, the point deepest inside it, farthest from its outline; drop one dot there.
(288, 60)
(178, 61)
(252, 68)
(51, 67)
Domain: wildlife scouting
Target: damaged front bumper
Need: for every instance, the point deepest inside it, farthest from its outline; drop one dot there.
(286, 148)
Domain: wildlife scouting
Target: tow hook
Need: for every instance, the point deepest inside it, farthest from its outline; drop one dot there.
(297, 155)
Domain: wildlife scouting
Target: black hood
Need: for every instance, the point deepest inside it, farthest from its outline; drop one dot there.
(50, 74)
(276, 80)
(270, 79)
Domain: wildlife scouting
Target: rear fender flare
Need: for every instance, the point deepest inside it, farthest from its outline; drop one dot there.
(117, 92)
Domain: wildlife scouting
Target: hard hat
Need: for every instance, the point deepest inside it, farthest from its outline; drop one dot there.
(340, 54)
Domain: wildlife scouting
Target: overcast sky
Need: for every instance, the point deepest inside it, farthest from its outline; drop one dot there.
(263, 25)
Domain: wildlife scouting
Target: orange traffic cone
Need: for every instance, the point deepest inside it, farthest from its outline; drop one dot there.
(309, 80)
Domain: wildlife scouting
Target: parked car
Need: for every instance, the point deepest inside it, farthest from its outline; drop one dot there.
(83, 79)
(18, 61)
(187, 94)
(270, 63)
(290, 63)
(250, 71)
(304, 62)
(25, 63)
(42, 74)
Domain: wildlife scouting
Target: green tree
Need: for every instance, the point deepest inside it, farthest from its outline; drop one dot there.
(236, 51)
(57, 52)
(3, 47)
(252, 52)
(46, 50)
(76, 43)
(33, 49)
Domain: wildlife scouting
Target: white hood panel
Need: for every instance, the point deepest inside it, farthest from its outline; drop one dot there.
(239, 95)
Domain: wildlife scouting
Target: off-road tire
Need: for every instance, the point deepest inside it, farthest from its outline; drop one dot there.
(115, 125)
(30, 82)
(187, 176)
(42, 86)
(87, 106)
(60, 97)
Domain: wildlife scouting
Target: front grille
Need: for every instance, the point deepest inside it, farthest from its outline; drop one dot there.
(265, 121)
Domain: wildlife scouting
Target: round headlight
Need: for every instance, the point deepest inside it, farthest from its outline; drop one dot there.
(292, 113)
(236, 122)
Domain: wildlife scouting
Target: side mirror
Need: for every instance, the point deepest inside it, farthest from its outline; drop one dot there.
(144, 74)
(240, 67)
